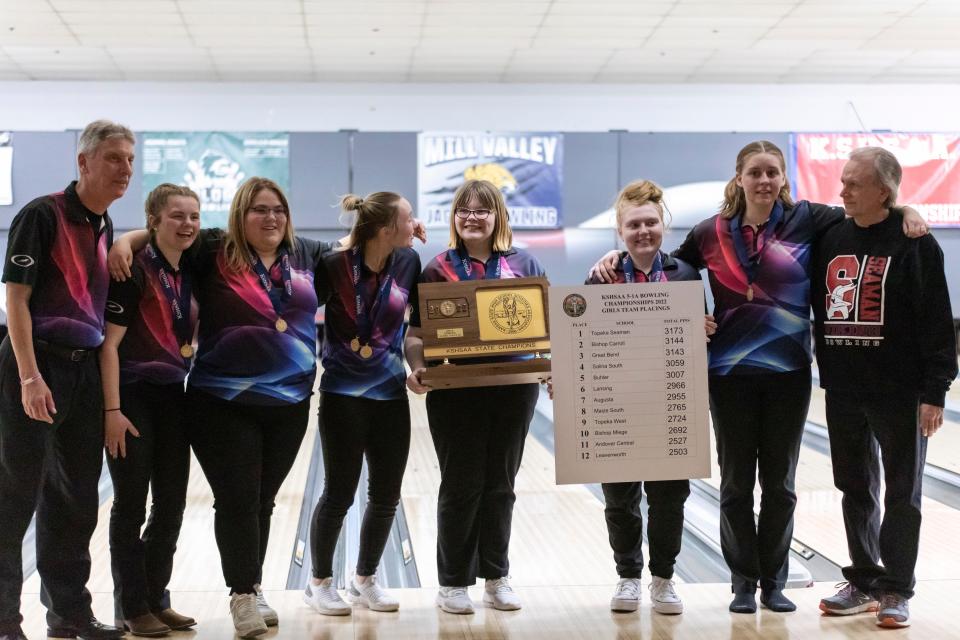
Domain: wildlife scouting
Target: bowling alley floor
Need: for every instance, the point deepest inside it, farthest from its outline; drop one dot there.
(561, 613)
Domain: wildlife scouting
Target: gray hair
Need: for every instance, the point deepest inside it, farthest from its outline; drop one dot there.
(100, 130)
(886, 167)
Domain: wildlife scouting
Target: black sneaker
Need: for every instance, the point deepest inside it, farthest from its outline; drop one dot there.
(92, 629)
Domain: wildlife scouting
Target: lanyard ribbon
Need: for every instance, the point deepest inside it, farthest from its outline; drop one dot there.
(366, 318)
(279, 302)
(179, 302)
(464, 268)
(656, 271)
(748, 264)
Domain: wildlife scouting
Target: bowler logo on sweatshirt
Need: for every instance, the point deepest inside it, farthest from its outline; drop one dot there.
(855, 300)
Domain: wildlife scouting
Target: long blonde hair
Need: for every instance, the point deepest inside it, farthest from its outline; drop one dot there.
(235, 246)
(734, 199)
(374, 212)
(491, 198)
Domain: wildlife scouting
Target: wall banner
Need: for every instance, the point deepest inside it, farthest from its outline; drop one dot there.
(930, 161)
(6, 168)
(527, 167)
(214, 165)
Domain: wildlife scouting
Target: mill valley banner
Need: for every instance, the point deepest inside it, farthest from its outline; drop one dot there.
(214, 165)
(930, 162)
(527, 168)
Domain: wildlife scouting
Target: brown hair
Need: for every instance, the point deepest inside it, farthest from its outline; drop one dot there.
(734, 200)
(158, 198)
(235, 246)
(374, 212)
(489, 197)
(637, 194)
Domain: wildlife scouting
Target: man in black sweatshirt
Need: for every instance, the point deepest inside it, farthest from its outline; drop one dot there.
(887, 354)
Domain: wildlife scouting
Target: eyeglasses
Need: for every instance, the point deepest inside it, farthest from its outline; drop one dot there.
(479, 214)
(265, 211)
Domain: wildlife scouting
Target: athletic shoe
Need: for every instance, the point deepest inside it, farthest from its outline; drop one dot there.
(774, 600)
(454, 600)
(894, 611)
(500, 595)
(324, 598)
(664, 597)
(370, 595)
(268, 613)
(246, 619)
(744, 603)
(627, 596)
(848, 601)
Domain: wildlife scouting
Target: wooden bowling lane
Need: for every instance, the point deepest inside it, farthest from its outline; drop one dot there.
(569, 613)
(559, 536)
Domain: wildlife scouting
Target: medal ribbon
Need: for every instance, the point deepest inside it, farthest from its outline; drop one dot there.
(462, 265)
(656, 271)
(179, 304)
(748, 264)
(279, 302)
(366, 318)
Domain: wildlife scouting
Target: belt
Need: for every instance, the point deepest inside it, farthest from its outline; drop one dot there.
(66, 353)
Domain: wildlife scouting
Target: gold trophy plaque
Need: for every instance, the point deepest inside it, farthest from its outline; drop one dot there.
(466, 324)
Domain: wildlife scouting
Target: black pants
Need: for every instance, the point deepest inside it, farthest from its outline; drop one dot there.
(758, 420)
(53, 469)
(664, 524)
(159, 461)
(479, 435)
(246, 452)
(351, 429)
(859, 424)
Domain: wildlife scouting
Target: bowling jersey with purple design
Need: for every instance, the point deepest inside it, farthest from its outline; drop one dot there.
(674, 270)
(242, 356)
(381, 376)
(150, 349)
(59, 247)
(771, 333)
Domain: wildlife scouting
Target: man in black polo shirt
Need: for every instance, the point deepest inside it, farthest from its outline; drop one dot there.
(51, 409)
(887, 354)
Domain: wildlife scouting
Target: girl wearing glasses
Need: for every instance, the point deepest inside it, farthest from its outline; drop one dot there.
(249, 390)
(478, 433)
(145, 356)
(367, 286)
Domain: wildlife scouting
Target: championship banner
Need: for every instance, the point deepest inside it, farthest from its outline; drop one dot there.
(6, 169)
(527, 167)
(214, 165)
(930, 161)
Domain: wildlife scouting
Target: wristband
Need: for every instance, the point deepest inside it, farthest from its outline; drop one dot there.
(31, 379)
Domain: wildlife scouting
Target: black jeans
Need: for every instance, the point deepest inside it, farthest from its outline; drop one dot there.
(246, 452)
(859, 424)
(758, 420)
(665, 500)
(479, 435)
(53, 469)
(158, 461)
(351, 428)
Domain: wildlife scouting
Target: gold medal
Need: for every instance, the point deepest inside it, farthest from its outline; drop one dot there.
(749, 293)
(355, 344)
(281, 325)
(186, 351)
(366, 351)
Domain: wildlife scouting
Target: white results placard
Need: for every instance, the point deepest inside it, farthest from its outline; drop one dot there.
(629, 367)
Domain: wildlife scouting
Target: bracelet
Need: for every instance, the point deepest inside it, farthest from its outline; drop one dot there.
(31, 379)
(109, 410)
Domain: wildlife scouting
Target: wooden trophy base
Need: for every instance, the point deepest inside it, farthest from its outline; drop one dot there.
(490, 374)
